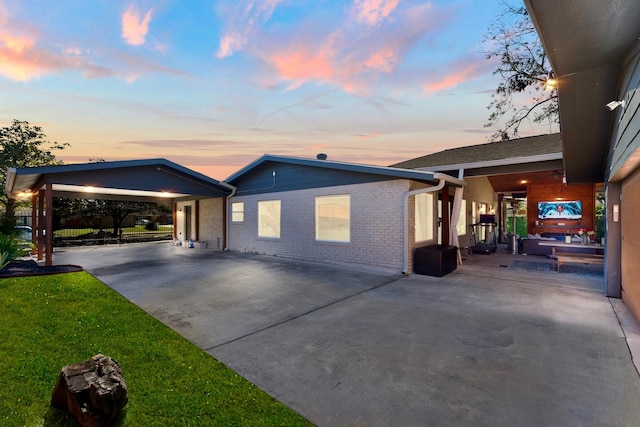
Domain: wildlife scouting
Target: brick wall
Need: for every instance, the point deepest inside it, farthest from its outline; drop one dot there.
(211, 224)
(376, 226)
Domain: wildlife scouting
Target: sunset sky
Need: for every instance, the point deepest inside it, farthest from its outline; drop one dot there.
(212, 85)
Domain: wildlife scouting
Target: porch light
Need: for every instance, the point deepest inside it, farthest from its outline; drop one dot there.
(550, 83)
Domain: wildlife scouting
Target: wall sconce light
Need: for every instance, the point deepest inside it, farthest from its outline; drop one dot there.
(615, 104)
(550, 83)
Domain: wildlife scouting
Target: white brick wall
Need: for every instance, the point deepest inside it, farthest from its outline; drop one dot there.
(376, 226)
(211, 223)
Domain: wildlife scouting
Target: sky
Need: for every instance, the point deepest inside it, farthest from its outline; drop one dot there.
(213, 85)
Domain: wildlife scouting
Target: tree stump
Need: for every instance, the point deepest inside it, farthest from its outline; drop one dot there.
(93, 391)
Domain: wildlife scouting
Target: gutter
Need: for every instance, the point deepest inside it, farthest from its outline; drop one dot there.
(443, 178)
(11, 178)
(227, 207)
(500, 162)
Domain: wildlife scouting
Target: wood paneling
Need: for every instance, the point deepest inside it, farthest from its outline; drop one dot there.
(551, 190)
(630, 267)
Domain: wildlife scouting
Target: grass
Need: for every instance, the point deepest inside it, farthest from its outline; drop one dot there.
(52, 321)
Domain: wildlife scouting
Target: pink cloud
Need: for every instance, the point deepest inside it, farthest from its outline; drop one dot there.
(372, 12)
(459, 72)
(301, 64)
(21, 59)
(134, 26)
(345, 56)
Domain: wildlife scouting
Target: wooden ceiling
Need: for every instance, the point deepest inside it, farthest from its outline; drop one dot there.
(517, 182)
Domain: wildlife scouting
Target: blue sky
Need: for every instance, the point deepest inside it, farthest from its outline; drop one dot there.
(213, 85)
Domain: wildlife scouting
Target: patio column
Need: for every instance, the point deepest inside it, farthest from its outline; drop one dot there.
(175, 220)
(500, 202)
(197, 239)
(613, 241)
(34, 223)
(49, 224)
(445, 215)
(40, 225)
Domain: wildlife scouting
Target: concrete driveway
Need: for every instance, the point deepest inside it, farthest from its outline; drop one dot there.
(352, 347)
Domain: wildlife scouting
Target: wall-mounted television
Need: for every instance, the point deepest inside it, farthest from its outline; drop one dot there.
(560, 210)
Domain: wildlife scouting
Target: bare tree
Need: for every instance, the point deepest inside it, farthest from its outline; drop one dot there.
(524, 68)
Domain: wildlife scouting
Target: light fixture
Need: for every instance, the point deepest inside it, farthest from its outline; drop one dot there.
(615, 104)
(523, 182)
(550, 84)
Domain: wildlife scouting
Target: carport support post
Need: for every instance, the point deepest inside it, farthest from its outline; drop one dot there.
(34, 223)
(49, 219)
(39, 226)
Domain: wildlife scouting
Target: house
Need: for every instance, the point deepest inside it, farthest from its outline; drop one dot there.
(318, 209)
(501, 175)
(594, 49)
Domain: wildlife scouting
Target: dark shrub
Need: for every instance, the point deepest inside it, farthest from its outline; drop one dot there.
(151, 226)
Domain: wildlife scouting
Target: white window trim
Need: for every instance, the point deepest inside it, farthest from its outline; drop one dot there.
(278, 237)
(316, 231)
(233, 212)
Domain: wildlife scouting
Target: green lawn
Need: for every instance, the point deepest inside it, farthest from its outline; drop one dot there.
(47, 322)
(69, 233)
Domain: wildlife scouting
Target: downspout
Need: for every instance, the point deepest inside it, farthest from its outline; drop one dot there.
(227, 220)
(8, 187)
(442, 181)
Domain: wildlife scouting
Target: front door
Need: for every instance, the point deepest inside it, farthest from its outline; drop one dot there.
(187, 222)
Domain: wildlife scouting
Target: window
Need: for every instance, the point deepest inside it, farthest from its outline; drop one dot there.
(461, 227)
(269, 218)
(424, 217)
(237, 212)
(333, 218)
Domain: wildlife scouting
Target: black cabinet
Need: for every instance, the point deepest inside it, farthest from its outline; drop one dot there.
(435, 260)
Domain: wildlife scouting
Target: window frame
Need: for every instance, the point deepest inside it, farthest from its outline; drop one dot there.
(266, 203)
(317, 222)
(234, 212)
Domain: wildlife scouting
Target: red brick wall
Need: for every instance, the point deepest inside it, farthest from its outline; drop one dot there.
(551, 190)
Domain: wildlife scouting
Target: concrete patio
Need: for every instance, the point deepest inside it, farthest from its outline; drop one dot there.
(484, 345)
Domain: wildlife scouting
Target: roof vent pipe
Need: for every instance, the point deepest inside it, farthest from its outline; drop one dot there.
(321, 156)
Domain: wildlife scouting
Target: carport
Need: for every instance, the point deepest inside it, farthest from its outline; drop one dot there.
(148, 180)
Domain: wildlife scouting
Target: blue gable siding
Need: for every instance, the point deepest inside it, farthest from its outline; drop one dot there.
(290, 177)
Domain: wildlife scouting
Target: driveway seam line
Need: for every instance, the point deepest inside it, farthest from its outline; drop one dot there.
(305, 313)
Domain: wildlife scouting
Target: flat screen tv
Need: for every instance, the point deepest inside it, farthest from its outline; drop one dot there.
(560, 210)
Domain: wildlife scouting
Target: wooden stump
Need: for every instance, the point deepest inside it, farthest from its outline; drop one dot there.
(93, 391)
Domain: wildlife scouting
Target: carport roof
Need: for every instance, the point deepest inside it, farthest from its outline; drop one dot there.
(148, 179)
